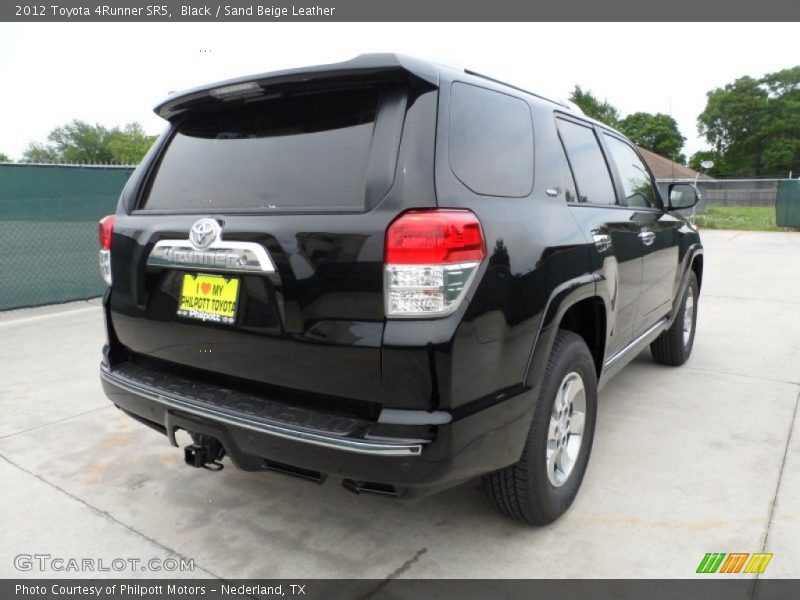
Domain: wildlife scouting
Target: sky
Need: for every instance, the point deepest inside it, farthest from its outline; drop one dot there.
(114, 73)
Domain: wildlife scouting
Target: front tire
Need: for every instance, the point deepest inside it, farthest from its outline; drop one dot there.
(543, 484)
(674, 346)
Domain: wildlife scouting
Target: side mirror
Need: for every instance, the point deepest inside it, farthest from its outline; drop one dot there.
(683, 195)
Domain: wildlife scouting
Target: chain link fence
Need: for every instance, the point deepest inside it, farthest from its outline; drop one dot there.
(733, 192)
(48, 230)
(781, 197)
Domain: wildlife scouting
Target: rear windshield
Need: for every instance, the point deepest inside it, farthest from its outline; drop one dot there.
(296, 152)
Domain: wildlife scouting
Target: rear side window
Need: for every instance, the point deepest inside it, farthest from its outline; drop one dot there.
(296, 152)
(588, 164)
(490, 141)
(636, 181)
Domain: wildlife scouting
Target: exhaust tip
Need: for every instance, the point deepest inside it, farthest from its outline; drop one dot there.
(369, 487)
(293, 471)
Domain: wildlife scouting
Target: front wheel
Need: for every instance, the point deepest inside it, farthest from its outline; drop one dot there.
(543, 484)
(674, 346)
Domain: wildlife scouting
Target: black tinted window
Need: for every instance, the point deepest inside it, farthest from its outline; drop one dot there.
(490, 141)
(553, 173)
(294, 152)
(587, 162)
(636, 182)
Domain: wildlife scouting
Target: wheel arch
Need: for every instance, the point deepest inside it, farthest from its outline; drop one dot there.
(697, 267)
(693, 263)
(587, 318)
(574, 305)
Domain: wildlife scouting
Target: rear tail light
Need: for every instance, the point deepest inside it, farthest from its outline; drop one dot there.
(105, 229)
(430, 259)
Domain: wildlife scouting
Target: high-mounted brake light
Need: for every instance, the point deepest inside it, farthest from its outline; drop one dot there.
(429, 261)
(105, 228)
(236, 89)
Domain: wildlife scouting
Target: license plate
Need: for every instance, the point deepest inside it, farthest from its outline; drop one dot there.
(209, 298)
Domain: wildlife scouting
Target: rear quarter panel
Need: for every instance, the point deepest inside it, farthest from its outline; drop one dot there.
(534, 248)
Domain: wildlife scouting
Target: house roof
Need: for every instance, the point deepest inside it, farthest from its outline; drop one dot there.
(664, 168)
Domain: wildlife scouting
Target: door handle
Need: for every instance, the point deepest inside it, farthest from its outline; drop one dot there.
(602, 241)
(647, 237)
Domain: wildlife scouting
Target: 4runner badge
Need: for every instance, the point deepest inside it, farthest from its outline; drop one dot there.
(205, 250)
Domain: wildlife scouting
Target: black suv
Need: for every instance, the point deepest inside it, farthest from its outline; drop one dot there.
(393, 273)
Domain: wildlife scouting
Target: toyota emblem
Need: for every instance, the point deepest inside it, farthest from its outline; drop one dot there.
(204, 233)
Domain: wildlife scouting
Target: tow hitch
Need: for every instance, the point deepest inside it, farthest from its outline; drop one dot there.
(205, 452)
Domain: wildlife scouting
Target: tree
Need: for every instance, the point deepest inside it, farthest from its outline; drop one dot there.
(39, 153)
(658, 133)
(753, 125)
(130, 145)
(697, 159)
(730, 123)
(4, 158)
(80, 142)
(594, 108)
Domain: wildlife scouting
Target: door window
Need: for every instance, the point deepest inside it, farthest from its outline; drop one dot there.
(588, 164)
(637, 185)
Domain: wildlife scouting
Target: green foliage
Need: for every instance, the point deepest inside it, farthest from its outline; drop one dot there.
(754, 125)
(80, 142)
(749, 218)
(699, 157)
(594, 108)
(39, 153)
(658, 133)
(4, 157)
(130, 145)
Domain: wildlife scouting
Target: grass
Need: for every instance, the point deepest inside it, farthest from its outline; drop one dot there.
(750, 218)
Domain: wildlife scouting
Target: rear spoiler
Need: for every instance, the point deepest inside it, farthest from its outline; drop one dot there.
(367, 68)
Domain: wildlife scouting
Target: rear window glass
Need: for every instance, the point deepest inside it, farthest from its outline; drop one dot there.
(296, 152)
(490, 141)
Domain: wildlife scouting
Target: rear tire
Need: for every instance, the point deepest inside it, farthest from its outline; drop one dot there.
(674, 346)
(543, 484)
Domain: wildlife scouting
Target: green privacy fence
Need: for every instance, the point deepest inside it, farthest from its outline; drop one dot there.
(48, 230)
(787, 203)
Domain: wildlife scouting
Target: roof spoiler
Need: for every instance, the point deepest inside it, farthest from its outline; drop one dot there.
(390, 68)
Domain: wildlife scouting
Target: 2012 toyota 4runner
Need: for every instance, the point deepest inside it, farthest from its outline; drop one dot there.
(393, 273)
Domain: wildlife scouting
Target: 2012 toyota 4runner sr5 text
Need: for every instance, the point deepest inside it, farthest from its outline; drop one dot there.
(393, 273)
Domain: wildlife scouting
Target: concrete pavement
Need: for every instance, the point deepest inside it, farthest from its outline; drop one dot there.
(703, 458)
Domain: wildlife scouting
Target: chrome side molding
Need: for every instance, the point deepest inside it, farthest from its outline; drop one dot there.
(644, 335)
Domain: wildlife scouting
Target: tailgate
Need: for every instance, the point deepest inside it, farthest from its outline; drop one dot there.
(314, 323)
(294, 233)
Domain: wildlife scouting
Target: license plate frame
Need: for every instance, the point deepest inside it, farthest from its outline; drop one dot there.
(207, 302)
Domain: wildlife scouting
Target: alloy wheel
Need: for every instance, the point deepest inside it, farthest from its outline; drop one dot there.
(565, 433)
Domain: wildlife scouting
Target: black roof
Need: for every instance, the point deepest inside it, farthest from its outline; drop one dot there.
(366, 66)
(362, 66)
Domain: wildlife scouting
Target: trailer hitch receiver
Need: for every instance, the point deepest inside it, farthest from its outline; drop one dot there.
(205, 452)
